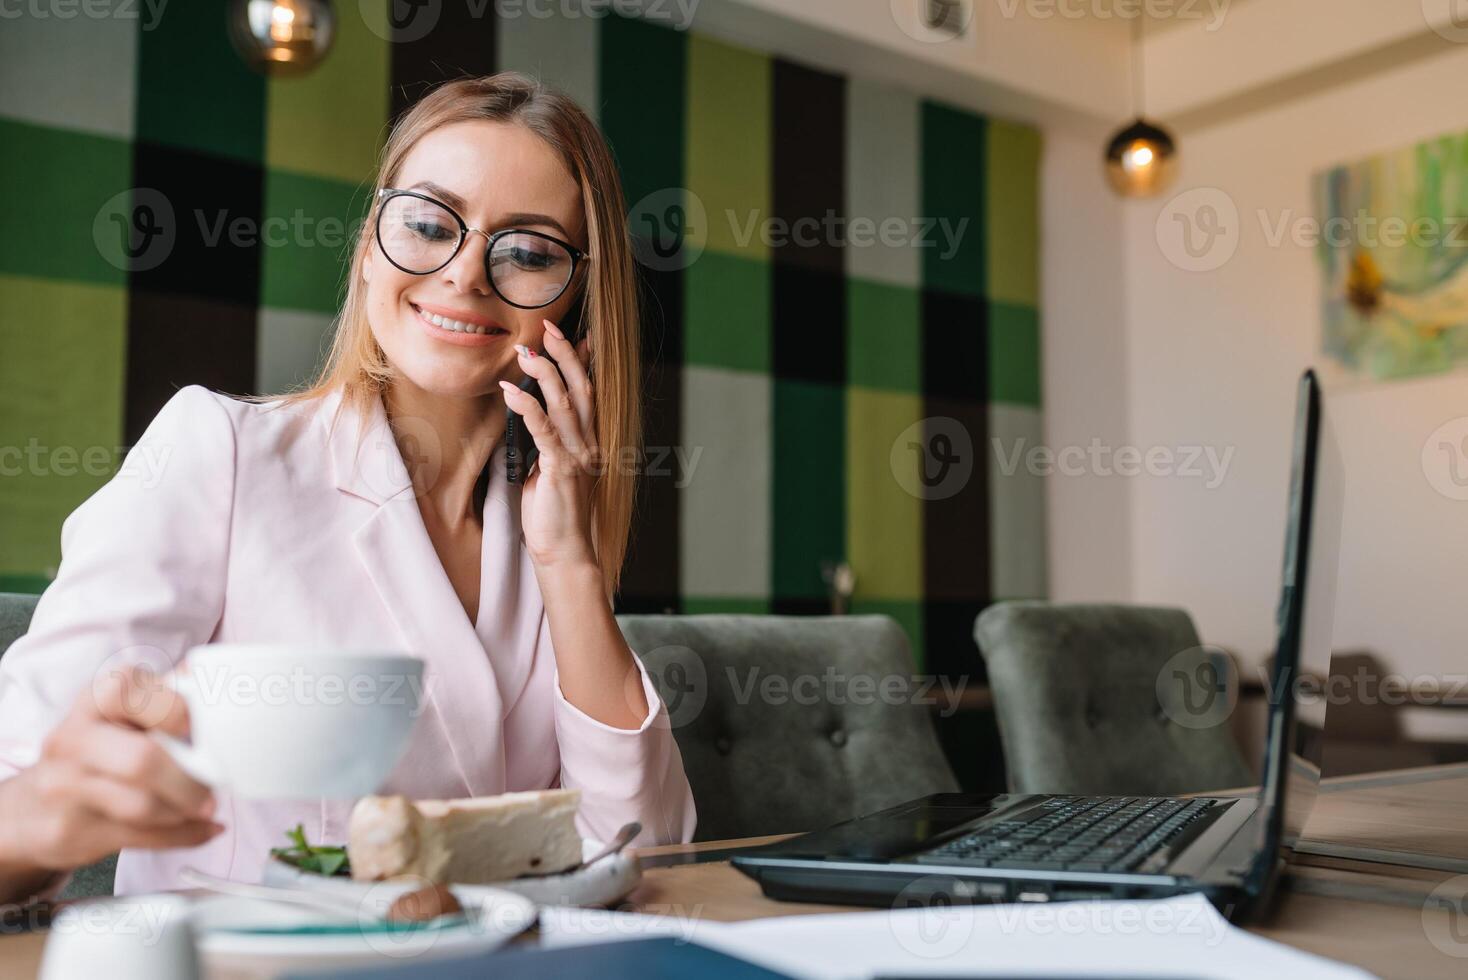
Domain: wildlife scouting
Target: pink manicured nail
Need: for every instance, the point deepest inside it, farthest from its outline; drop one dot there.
(508, 387)
(524, 351)
(554, 330)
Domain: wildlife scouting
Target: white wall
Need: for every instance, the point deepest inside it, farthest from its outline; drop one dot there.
(1212, 358)
(1083, 278)
(1252, 46)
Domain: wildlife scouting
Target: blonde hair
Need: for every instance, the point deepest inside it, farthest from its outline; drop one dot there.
(357, 365)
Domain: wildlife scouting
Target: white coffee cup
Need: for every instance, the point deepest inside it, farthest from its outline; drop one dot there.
(295, 722)
(143, 937)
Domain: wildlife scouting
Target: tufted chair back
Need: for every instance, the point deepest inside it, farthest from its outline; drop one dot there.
(783, 721)
(1076, 693)
(15, 617)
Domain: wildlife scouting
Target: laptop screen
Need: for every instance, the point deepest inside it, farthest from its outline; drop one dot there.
(1297, 683)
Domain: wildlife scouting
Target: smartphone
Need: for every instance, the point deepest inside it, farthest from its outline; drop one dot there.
(520, 448)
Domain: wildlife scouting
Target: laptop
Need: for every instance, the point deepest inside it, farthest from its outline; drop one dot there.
(1009, 847)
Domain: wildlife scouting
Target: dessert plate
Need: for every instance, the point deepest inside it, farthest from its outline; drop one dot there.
(602, 883)
(232, 930)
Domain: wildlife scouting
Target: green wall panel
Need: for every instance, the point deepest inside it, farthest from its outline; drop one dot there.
(727, 312)
(61, 372)
(64, 198)
(333, 122)
(193, 90)
(793, 370)
(305, 241)
(1014, 355)
(809, 507)
(884, 335)
(954, 157)
(642, 82)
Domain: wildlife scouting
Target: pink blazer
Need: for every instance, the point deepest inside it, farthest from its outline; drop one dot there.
(233, 521)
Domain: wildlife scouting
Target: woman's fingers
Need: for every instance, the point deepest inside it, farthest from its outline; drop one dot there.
(540, 428)
(134, 758)
(190, 834)
(68, 818)
(139, 698)
(572, 362)
(129, 803)
(105, 736)
(557, 400)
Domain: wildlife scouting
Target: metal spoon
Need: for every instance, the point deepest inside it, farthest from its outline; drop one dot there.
(321, 901)
(617, 843)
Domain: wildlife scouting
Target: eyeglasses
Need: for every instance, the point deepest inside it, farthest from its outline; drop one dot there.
(526, 269)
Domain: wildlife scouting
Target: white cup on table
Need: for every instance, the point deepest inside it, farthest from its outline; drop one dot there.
(295, 722)
(143, 937)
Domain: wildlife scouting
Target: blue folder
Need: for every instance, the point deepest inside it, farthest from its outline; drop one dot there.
(642, 959)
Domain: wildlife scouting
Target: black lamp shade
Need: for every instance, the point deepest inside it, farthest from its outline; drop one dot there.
(1141, 160)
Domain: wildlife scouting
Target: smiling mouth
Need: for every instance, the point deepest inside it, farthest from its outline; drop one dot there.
(455, 326)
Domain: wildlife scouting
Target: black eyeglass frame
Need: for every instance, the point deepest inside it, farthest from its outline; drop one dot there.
(388, 193)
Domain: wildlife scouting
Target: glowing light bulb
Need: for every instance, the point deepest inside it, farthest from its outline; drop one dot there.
(282, 37)
(282, 23)
(1141, 160)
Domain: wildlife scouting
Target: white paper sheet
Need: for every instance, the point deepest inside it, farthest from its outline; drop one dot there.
(1182, 937)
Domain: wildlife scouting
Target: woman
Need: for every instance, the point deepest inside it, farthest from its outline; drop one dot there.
(374, 510)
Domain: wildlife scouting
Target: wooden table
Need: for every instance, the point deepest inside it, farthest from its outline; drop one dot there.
(1375, 916)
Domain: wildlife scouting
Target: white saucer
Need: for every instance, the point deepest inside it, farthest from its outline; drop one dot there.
(262, 931)
(602, 883)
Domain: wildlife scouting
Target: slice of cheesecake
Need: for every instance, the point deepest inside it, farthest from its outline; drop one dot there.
(472, 841)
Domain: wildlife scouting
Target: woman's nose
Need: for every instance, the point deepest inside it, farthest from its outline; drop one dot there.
(468, 272)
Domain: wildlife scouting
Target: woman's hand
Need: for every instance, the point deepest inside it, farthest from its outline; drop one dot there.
(555, 501)
(101, 784)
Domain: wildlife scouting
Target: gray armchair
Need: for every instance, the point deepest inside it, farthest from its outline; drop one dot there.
(782, 721)
(15, 619)
(1076, 693)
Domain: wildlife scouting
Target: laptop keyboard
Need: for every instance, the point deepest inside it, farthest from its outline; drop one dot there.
(1075, 833)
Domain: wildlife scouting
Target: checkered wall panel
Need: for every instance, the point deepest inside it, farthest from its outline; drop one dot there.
(839, 360)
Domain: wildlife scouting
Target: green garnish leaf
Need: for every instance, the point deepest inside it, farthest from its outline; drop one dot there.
(323, 859)
(331, 863)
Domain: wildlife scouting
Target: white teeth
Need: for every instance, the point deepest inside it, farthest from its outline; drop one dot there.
(455, 326)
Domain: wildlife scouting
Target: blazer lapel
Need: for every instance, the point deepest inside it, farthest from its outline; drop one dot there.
(409, 578)
(510, 606)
